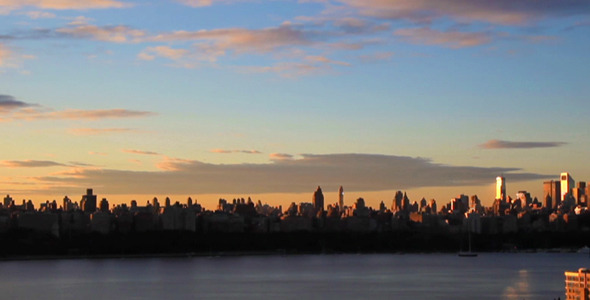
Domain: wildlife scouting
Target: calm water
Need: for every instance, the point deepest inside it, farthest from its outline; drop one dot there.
(410, 276)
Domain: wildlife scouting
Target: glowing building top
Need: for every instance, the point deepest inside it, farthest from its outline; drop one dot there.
(567, 184)
(501, 188)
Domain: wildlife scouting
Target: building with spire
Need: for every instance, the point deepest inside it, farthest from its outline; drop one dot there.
(318, 200)
(341, 198)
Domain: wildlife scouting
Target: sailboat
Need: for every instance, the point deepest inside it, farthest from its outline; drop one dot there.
(468, 253)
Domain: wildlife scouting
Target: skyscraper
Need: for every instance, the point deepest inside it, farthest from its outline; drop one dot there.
(318, 200)
(501, 188)
(341, 198)
(88, 202)
(567, 183)
(551, 194)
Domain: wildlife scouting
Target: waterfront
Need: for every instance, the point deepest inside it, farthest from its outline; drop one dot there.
(379, 276)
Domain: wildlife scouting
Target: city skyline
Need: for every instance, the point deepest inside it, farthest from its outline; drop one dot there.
(225, 99)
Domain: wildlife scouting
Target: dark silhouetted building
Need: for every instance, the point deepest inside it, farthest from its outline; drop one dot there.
(7, 201)
(341, 198)
(88, 202)
(318, 200)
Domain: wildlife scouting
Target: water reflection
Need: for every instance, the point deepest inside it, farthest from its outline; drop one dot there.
(520, 287)
(385, 276)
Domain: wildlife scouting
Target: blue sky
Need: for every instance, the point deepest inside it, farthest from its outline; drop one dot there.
(461, 89)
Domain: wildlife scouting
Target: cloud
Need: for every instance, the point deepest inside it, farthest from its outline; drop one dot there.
(281, 156)
(114, 34)
(39, 15)
(140, 152)
(4, 54)
(499, 144)
(9, 103)
(224, 151)
(151, 53)
(97, 153)
(12, 109)
(325, 60)
(29, 163)
(62, 4)
(376, 57)
(203, 3)
(79, 114)
(357, 172)
(10, 58)
(452, 39)
(240, 40)
(507, 12)
(290, 69)
(97, 131)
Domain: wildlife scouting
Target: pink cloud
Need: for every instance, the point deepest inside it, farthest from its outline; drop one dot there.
(63, 4)
(78, 114)
(115, 34)
(96, 131)
(507, 12)
(281, 156)
(224, 151)
(452, 39)
(140, 152)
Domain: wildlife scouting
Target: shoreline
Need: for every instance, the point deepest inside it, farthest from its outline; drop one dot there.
(259, 253)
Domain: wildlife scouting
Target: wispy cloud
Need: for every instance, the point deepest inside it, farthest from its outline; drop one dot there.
(11, 58)
(218, 42)
(97, 131)
(115, 34)
(376, 57)
(79, 114)
(225, 151)
(281, 156)
(499, 144)
(357, 172)
(9, 103)
(97, 153)
(30, 163)
(507, 12)
(133, 151)
(4, 54)
(203, 3)
(39, 15)
(12, 109)
(62, 4)
(451, 39)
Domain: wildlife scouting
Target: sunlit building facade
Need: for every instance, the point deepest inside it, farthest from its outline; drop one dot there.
(567, 183)
(576, 284)
(551, 194)
(501, 188)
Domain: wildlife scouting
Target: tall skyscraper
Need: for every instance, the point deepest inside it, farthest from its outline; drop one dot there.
(397, 201)
(318, 200)
(567, 183)
(88, 202)
(501, 188)
(341, 197)
(551, 194)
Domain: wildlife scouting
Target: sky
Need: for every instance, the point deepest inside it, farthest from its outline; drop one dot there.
(270, 99)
